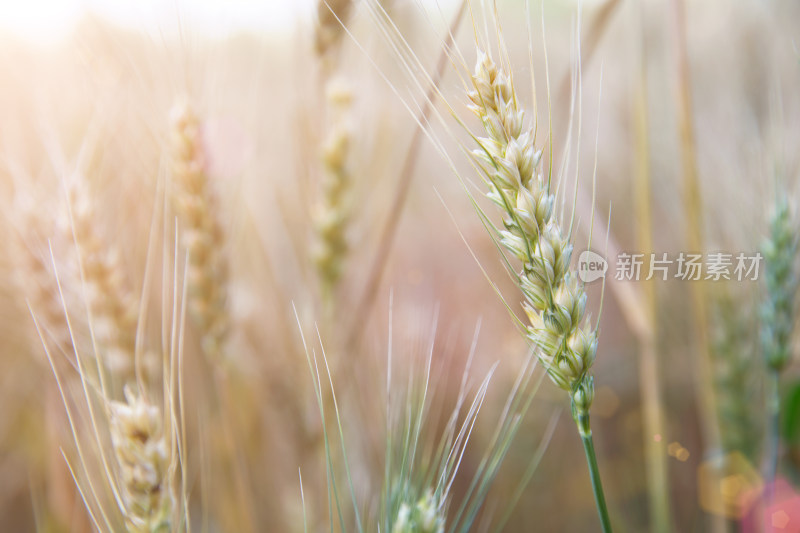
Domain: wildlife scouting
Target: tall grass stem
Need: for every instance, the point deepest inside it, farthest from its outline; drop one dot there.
(649, 380)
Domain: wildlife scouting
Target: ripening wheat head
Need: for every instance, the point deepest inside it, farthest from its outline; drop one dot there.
(331, 14)
(126, 458)
(131, 484)
(144, 458)
(201, 232)
(35, 277)
(112, 306)
(333, 211)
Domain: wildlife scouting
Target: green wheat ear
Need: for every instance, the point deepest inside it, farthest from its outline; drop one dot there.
(777, 319)
(425, 516)
(735, 375)
(780, 273)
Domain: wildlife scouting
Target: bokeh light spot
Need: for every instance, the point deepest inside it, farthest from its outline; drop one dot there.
(728, 485)
(676, 450)
(732, 486)
(780, 519)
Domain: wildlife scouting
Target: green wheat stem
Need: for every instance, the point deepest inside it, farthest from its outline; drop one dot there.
(585, 430)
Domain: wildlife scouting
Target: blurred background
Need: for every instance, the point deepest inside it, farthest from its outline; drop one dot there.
(673, 125)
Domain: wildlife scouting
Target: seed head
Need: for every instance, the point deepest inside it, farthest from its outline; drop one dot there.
(780, 270)
(201, 234)
(555, 300)
(423, 517)
(143, 457)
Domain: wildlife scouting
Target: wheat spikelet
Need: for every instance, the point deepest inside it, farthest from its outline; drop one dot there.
(144, 461)
(555, 300)
(201, 232)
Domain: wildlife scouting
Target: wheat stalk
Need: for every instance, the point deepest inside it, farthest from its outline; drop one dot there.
(653, 412)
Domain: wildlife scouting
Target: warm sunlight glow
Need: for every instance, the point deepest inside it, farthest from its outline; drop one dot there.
(44, 21)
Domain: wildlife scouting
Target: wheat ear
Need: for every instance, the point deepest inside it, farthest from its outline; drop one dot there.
(143, 455)
(333, 212)
(778, 317)
(201, 232)
(112, 306)
(424, 516)
(329, 31)
(555, 300)
(734, 369)
(37, 282)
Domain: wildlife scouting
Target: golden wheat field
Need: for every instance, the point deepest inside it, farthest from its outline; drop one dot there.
(400, 266)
